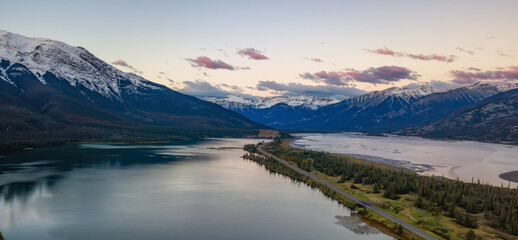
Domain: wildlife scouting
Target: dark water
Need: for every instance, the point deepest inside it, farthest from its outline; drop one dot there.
(189, 191)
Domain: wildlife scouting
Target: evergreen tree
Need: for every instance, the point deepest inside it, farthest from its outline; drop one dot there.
(470, 235)
(376, 188)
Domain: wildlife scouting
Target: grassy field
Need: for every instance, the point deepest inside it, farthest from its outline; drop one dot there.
(436, 223)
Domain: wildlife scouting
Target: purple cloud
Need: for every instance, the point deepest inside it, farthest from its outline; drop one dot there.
(464, 77)
(206, 62)
(123, 63)
(435, 57)
(252, 54)
(380, 75)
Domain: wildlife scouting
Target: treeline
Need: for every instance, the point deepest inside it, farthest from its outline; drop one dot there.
(15, 140)
(438, 195)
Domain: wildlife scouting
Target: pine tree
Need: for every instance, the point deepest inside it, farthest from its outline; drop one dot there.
(376, 188)
(451, 210)
(470, 235)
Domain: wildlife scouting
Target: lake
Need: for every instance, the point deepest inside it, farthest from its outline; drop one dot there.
(465, 160)
(194, 190)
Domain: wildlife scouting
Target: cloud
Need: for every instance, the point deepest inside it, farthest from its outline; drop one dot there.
(122, 63)
(435, 57)
(442, 85)
(465, 77)
(505, 53)
(308, 76)
(206, 62)
(380, 75)
(297, 89)
(317, 60)
(252, 54)
(202, 88)
(465, 51)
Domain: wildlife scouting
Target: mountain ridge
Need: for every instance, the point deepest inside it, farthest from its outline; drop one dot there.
(37, 78)
(494, 119)
(387, 110)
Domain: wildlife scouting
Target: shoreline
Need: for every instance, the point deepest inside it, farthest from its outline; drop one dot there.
(402, 207)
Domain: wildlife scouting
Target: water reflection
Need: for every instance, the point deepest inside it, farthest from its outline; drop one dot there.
(200, 190)
(22, 190)
(355, 224)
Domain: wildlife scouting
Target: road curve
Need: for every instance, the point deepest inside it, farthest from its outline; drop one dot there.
(366, 204)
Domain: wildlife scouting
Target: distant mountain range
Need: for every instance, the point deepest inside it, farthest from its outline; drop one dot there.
(52, 92)
(273, 111)
(234, 102)
(388, 110)
(494, 119)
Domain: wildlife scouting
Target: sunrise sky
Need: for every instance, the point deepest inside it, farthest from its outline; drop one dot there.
(321, 48)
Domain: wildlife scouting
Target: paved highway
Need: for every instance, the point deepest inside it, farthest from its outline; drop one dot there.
(368, 205)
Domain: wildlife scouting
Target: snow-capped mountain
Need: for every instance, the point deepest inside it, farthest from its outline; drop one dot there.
(50, 87)
(393, 95)
(387, 110)
(73, 64)
(234, 102)
(494, 119)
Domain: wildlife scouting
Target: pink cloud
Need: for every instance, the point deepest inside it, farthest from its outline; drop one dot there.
(206, 62)
(464, 77)
(252, 54)
(123, 63)
(384, 51)
(435, 57)
(379, 75)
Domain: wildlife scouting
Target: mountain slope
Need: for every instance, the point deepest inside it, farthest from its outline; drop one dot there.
(494, 119)
(47, 85)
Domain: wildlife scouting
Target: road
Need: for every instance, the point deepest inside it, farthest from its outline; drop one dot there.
(366, 204)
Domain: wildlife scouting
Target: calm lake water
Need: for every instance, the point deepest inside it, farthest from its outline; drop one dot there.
(454, 159)
(187, 191)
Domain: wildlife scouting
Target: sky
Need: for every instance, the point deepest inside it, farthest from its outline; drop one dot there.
(265, 48)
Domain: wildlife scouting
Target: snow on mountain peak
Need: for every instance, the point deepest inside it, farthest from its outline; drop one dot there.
(239, 102)
(395, 93)
(74, 64)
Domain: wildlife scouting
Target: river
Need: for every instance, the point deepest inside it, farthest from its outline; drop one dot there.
(466, 160)
(194, 190)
